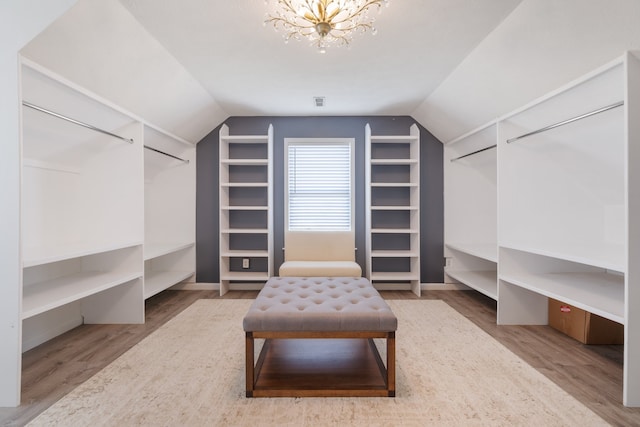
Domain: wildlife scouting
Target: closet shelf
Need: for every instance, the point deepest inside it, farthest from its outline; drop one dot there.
(395, 276)
(244, 162)
(157, 281)
(244, 253)
(45, 255)
(401, 139)
(394, 254)
(50, 294)
(244, 184)
(485, 282)
(244, 231)
(609, 257)
(598, 293)
(488, 252)
(394, 231)
(243, 276)
(394, 162)
(244, 208)
(155, 250)
(394, 184)
(393, 208)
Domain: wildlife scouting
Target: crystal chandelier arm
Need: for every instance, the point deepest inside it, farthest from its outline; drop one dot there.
(361, 9)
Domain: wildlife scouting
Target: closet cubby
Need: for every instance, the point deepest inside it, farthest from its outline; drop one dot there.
(246, 209)
(51, 285)
(169, 199)
(392, 210)
(470, 181)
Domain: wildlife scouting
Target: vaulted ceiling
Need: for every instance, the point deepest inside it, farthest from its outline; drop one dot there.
(249, 70)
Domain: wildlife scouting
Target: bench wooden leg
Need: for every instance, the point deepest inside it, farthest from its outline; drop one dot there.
(250, 380)
(391, 364)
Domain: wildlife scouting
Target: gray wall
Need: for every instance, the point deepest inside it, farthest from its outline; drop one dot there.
(431, 184)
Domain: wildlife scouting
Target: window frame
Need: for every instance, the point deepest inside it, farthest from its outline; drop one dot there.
(320, 141)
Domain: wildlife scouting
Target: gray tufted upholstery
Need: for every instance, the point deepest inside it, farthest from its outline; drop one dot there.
(319, 304)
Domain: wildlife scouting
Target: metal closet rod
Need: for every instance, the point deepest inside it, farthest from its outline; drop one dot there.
(475, 152)
(79, 123)
(166, 154)
(565, 122)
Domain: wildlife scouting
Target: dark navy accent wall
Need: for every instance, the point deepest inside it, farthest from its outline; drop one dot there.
(431, 184)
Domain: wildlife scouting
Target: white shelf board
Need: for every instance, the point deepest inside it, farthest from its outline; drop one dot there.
(245, 254)
(245, 162)
(155, 250)
(395, 275)
(488, 252)
(394, 161)
(485, 282)
(609, 257)
(244, 184)
(244, 231)
(598, 293)
(394, 231)
(47, 295)
(244, 208)
(394, 254)
(45, 255)
(248, 139)
(403, 139)
(394, 208)
(157, 281)
(394, 184)
(248, 276)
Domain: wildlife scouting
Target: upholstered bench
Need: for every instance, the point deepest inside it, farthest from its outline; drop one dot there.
(319, 253)
(294, 313)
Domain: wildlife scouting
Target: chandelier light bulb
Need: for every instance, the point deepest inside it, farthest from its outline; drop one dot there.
(324, 22)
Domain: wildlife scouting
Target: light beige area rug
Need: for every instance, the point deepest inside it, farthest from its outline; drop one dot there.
(190, 372)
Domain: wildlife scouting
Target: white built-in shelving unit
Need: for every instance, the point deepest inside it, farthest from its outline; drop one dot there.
(170, 199)
(393, 210)
(82, 203)
(246, 210)
(568, 206)
(470, 182)
(107, 209)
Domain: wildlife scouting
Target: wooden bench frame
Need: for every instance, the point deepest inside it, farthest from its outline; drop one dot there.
(388, 372)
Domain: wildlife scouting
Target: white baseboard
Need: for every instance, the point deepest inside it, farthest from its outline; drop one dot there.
(444, 287)
(197, 286)
(41, 336)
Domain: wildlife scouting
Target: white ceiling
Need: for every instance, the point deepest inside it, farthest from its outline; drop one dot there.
(249, 70)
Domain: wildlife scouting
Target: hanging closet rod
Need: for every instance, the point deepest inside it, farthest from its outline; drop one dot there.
(166, 154)
(565, 122)
(88, 126)
(475, 152)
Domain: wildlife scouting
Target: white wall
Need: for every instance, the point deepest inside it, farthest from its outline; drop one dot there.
(20, 21)
(542, 45)
(99, 45)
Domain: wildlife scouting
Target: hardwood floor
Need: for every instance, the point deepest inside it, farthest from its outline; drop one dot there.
(592, 374)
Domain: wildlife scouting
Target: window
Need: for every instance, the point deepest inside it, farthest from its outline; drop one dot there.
(319, 184)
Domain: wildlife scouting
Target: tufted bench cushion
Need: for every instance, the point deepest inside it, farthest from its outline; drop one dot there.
(319, 304)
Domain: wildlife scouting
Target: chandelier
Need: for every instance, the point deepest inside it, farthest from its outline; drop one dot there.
(324, 22)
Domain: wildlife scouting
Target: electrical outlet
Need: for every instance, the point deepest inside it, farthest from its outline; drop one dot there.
(245, 262)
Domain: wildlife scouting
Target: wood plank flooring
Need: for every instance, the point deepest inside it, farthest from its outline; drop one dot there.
(592, 374)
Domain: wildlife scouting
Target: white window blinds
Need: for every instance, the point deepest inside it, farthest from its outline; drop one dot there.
(319, 185)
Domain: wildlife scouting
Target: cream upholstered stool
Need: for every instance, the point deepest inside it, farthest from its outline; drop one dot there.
(319, 253)
(339, 309)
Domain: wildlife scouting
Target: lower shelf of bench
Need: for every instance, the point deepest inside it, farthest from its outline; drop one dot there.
(326, 367)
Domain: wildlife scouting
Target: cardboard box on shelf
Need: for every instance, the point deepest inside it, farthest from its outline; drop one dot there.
(586, 327)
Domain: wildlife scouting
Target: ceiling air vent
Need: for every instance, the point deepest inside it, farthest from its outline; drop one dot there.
(318, 101)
